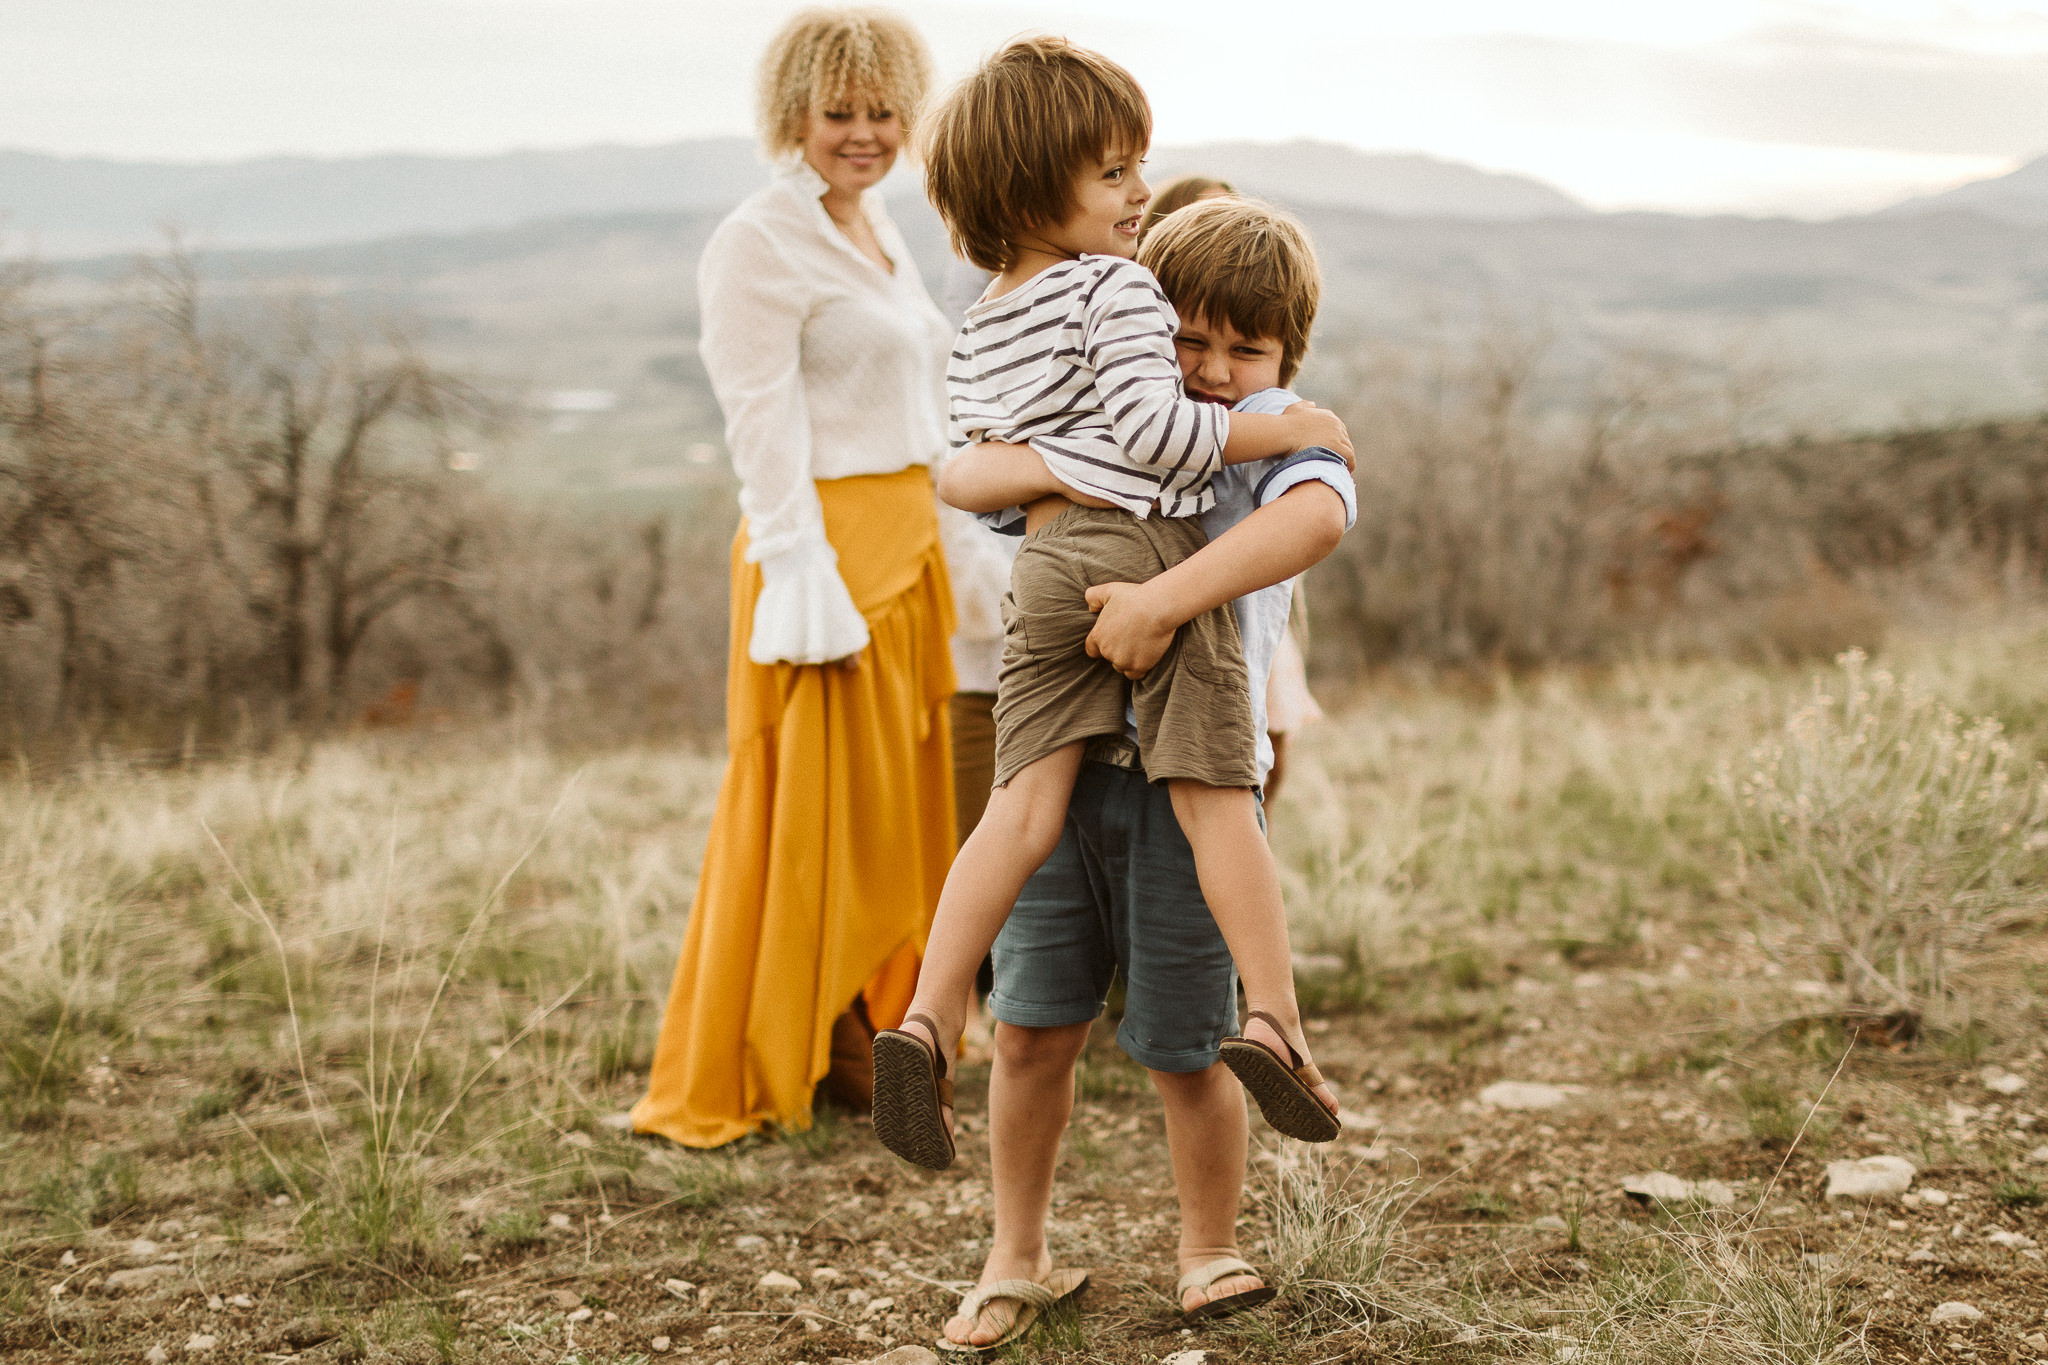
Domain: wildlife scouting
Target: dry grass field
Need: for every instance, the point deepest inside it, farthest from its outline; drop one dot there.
(313, 1055)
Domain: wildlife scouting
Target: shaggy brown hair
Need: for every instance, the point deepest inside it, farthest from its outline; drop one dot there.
(1003, 148)
(1177, 194)
(1243, 262)
(823, 57)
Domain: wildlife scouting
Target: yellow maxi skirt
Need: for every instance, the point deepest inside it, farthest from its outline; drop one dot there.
(832, 836)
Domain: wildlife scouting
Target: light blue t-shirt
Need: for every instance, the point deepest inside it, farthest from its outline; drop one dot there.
(1242, 489)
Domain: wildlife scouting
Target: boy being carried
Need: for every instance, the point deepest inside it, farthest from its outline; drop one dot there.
(1033, 163)
(1120, 892)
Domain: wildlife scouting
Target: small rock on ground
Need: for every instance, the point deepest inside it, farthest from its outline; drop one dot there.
(1550, 1222)
(1873, 1177)
(301, 1333)
(156, 1355)
(1955, 1313)
(564, 1299)
(2000, 1081)
(1186, 1358)
(775, 1282)
(907, 1355)
(141, 1277)
(304, 1333)
(199, 1343)
(1662, 1187)
(1525, 1095)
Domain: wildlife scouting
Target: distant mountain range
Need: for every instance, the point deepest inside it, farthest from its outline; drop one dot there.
(1870, 321)
(2020, 197)
(65, 207)
(576, 272)
(1407, 185)
(78, 206)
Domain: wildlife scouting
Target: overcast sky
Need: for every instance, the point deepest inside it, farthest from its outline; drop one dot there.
(1743, 105)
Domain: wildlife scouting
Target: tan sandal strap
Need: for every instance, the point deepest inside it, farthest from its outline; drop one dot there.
(1222, 1268)
(946, 1092)
(1294, 1061)
(1308, 1075)
(1029, 1293)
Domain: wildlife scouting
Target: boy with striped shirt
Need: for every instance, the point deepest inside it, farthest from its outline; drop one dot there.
(1120, 894)
(1033, 163)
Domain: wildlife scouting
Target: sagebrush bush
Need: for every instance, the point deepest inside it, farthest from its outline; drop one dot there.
(1890, 837)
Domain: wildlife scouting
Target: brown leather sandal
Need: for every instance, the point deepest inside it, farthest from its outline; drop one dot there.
(1283, 1086)
(912, 1093)
(1222, 1268)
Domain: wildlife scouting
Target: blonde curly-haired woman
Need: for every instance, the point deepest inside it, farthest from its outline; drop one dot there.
(834, 826)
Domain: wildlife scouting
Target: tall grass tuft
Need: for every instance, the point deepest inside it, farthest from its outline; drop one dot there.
(1890, 836)
(381, 1202)
(1708, 1293)
(1337, 1248)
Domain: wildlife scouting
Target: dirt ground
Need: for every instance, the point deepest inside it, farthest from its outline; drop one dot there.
(662, 1252)
(319, 1055)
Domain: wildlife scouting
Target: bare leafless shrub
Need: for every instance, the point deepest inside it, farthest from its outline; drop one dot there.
(1520, 508)
(213, 510)
(1514, 514)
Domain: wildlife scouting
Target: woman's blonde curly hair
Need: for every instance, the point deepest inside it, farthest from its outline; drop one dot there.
(824, 56)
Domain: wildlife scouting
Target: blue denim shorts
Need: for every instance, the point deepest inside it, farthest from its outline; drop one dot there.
(1120, 893)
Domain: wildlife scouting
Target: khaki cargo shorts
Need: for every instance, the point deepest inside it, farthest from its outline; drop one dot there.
(1194, 708)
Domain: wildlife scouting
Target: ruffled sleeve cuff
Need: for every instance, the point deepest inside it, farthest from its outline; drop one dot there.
(805, 614)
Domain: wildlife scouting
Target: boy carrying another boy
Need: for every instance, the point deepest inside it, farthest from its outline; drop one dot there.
(1120, 892)
(1033, 163)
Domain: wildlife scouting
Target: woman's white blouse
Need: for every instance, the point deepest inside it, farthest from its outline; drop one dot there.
(826, 366)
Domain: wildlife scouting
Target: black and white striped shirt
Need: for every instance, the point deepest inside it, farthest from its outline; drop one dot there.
(1078, 363)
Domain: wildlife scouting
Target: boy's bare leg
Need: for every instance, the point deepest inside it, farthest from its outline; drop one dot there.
(1030, 1095)
(1018, 831)
(1207, 1135)
(1235, 864)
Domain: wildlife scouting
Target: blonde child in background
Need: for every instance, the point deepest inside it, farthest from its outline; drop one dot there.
(1176, 194)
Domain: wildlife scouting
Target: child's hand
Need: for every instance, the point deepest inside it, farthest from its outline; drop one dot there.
(1320, 427)
(1128, 632)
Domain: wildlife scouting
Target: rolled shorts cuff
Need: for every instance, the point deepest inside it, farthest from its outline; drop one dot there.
(1178, 1062)
(1038, 1014)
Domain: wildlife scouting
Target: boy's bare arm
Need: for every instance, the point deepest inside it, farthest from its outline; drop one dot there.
(992, 475)
(1136, 621)
(1261, 436)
